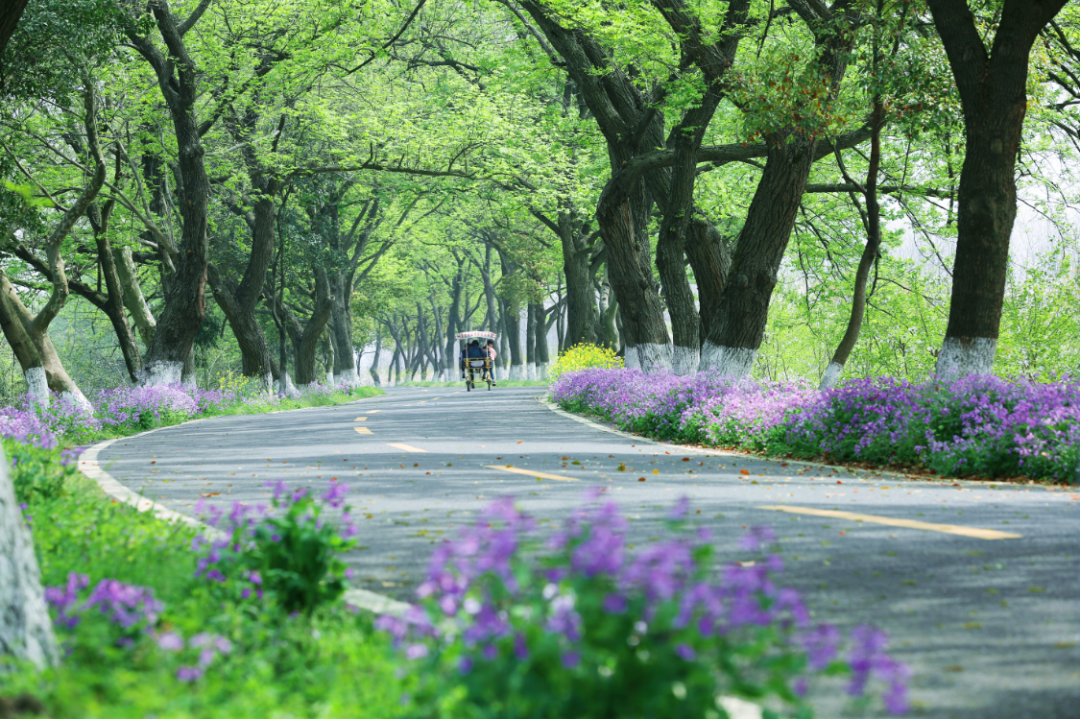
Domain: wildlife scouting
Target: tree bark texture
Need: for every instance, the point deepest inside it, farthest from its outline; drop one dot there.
(738, 326)
(10, 13)
(26, 630)
(134, 300)
(185, 301)
(114, 288)
(581, 312)
(993, 92)
(305, 338)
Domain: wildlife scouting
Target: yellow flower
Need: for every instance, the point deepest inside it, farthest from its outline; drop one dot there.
(584, 356)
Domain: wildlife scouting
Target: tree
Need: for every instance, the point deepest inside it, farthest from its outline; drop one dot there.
(177, 77)
(992, 83)
(26, 630)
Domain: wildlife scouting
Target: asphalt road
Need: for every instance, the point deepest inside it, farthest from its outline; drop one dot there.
(978, 585)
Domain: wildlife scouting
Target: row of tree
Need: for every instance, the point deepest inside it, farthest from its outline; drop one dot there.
(320, 179)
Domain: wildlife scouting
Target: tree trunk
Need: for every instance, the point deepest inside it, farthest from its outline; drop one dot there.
(609, 307)
(530, 341)
(993, 93)
(185, 300)
(341, 320)
(581, 312)
(134, 300)
(115, 296)
(10, 14)
(873, 231)
(255, 358)
(623, 216)
(35, 352)
(543, 352)
(374, 370)
(737, 330)
(305, 338)
(26, 630)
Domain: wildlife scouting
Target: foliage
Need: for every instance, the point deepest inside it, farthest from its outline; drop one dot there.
(289, 559)
(590, 628)
(584, 356)
(980, 426)
(191, 655)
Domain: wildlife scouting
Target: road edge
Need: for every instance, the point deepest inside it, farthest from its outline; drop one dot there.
(90, 468)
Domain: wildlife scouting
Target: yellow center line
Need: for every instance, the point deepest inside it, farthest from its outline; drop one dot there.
(360, 419)
(406, 447)
(374, 411)
(907, 523)
(363, 430)
(529, 472)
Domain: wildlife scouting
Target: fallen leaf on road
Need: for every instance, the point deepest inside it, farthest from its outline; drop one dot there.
(744, 471)
(209, 494)
(641, 479)
(656, 471)
(621, 467)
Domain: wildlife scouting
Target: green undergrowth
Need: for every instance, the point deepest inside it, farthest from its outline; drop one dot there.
(329, 664)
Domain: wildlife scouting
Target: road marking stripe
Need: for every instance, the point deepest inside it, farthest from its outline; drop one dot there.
(373, 411)
(530, 473)
(406, 447)
(363, 430)
(908, 523)
(360, 419)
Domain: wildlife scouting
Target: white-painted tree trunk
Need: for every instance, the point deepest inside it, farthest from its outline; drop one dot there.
(630, 361)
(531, 371)
(78, 399)
(26, 630)
(963, 356)
(685, 360)
(734, 362)
(542, 370)
(831, 376)
(266, 383)
(37, 386)
(330, 378)
(162, 372)
(350, 377)
(517, 372)
(652, 358)
(287, 388)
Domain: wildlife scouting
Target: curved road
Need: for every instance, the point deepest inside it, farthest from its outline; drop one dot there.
(977, 584)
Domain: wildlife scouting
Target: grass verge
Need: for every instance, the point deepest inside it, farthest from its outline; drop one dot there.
(331, 663)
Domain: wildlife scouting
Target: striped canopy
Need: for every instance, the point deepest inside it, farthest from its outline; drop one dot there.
(477, 334)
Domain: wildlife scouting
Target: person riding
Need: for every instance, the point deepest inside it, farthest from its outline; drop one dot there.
(474, 351)
(490, 348)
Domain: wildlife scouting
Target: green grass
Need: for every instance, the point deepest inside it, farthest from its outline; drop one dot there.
(331, 664)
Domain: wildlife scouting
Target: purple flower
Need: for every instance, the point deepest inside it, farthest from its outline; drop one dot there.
(335, 495)
(170, 641)
(189, 674)
(686, 652)
(570, 660)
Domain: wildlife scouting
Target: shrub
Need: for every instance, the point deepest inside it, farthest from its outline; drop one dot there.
(588, 628)
(584, 356)
(290, 558)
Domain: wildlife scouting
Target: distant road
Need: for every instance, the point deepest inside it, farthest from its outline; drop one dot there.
(978, 585)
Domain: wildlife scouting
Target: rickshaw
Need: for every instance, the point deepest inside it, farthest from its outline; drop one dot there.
(475, 369)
